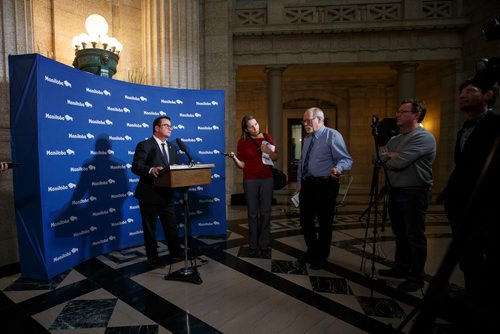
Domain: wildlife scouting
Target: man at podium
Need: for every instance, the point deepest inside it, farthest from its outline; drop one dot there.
(150, 157)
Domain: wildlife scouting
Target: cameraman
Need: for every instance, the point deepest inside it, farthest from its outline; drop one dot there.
(408, 159)
(472, 206)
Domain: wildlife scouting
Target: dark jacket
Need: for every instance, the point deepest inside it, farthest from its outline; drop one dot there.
(147, 155)
(461, 190)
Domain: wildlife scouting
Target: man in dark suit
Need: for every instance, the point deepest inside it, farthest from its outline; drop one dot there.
(471, 197)
(151, 156)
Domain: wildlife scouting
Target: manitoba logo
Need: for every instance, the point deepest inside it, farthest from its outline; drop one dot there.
(102, 183)
(117, 109)
(85, 104)
(66, 118)
(82, 169)
(208, 152)
(171, 101)
(192, 140)
(209, 128)
(195, 115)
(155, 113)
(97, 91)
(123, 222)
(209, 200)
(135, 98)
(65, 255)
(62, 187)
(84, 200)
(137, 125)
(126, 166)
(100, 122)
(211, 103)
(60, 152)
(64, 221)
(64, 83)
(80, 136)
(108, 152)
(214, 223)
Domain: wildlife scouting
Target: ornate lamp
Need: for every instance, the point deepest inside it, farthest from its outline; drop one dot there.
(96, 52)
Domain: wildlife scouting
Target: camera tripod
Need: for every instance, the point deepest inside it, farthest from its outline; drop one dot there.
(375, 197)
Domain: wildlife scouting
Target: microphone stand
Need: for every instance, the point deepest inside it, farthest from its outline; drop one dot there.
(186, 274)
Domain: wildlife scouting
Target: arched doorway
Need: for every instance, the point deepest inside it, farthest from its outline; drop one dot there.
(293, 111)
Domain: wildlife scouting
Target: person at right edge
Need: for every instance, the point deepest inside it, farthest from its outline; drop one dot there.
(472, 204)
(408, 159)
(324, 158)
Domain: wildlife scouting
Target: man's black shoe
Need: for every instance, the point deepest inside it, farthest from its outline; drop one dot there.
(306, 258)
(155, 264)
(317, 265)
(265, 253)
(252, 252)
(394, 273)
(177, 257)
(411, 285)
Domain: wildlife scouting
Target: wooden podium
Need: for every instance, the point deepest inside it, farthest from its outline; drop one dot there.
(184, 176)
(178, 176)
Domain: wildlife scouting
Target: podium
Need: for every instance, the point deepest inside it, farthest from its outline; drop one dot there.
(184, 176)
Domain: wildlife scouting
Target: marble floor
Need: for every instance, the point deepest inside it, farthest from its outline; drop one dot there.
(119, 293)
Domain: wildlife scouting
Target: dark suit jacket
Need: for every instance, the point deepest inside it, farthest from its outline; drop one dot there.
(147, 155)
(469, 164)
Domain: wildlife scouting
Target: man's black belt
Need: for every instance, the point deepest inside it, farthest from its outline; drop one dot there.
(315, 178)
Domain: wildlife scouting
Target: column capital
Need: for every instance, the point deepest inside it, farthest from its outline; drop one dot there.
(405, 66)
(274, 68)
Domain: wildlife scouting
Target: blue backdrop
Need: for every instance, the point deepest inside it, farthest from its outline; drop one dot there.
(75, 134)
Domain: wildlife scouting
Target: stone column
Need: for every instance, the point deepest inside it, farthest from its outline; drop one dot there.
(406, 80)
(219, 71)
(451, 119)
(17, 38)
(275, 108)
(171, 39)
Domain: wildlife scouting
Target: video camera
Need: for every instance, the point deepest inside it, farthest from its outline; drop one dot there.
(488, 70)
(383, 130)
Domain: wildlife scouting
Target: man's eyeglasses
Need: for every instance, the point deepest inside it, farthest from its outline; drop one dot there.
(308, 120)
(402, 111)
(168, 126)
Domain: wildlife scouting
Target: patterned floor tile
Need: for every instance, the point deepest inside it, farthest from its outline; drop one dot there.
(25, 284)
(149, 329)
(85, 314)
(288, 267)
(330, 285)
(381, 307)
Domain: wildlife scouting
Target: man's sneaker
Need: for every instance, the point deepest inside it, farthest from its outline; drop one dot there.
(392, 273)
(411, 285)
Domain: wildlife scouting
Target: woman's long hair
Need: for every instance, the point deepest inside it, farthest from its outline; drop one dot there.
(244, 130)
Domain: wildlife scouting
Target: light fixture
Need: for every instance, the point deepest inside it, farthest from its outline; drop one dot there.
(95, 51)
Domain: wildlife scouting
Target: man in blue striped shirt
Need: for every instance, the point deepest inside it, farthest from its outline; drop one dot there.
(324, 158)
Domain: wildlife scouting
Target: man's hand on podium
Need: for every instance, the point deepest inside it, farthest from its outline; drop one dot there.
(156, 171)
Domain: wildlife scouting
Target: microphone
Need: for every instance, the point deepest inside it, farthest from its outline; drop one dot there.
(12, 164)
(183, 148)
